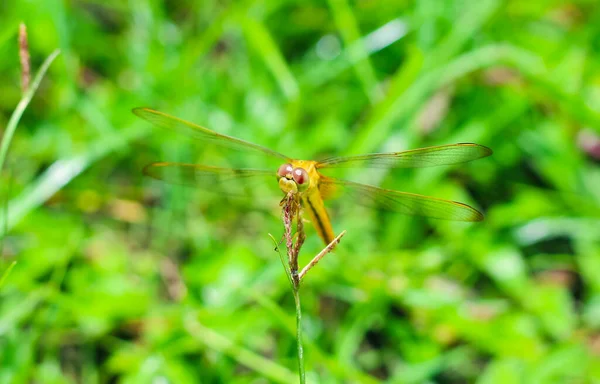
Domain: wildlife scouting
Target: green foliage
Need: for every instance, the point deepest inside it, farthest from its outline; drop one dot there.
(119, 277)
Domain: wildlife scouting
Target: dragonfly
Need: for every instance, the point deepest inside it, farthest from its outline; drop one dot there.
(305, 177)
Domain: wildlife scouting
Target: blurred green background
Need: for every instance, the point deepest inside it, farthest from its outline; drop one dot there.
(124, 279)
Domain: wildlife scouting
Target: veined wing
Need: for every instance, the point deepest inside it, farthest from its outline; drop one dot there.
(400, 202)
(416, 158)
(172, 123)
(230, 181)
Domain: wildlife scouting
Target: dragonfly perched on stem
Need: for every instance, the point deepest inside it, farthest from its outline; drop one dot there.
(305, 178)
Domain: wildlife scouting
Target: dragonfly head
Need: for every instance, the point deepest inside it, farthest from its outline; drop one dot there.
(292, 179)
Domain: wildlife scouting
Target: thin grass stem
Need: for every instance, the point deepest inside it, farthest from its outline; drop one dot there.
(23, 103)
(320, 255)
(301, 372)
(286, 267)
(6, 273)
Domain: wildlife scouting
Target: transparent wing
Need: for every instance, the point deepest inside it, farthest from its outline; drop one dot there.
(400, 202)
(230, 181)
(416, 158)
(172, 123)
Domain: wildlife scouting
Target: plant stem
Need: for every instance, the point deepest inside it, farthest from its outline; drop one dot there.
(286, 267)
(299, 335)
(320, 255)
(16, 116)
(12, 126)
(292, 211)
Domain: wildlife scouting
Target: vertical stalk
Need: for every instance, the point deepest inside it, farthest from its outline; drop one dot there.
(299, 335)
(23, 103)
(292, 211)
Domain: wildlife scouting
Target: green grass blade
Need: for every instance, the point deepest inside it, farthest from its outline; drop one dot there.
(317, 73)
(348, 27)
(218, 342)
(260, 40)
(286, 266)
(63, 171)
(405, 105)
(16, 116)
(464, 29)
(6, 273)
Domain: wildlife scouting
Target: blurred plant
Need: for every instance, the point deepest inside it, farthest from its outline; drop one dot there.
(28, 92)
(6, 273)
(24, 57)
(291, 209)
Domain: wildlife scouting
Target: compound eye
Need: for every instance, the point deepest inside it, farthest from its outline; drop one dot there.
(300, 176)
(284, 170)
